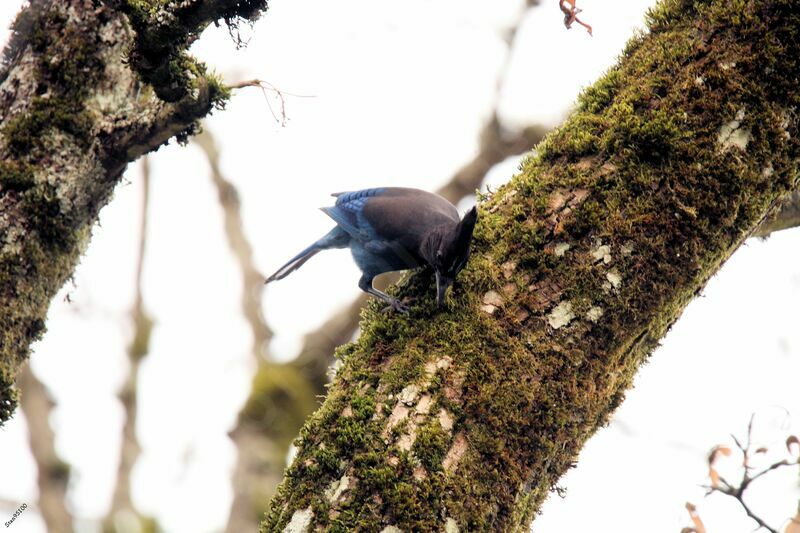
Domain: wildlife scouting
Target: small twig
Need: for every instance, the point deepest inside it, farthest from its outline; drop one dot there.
(752, 515)
(719, 484)
(267, 86)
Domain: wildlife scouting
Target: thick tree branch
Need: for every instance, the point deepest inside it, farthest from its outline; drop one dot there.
(72, 115)
(465, 418)
(164, 29)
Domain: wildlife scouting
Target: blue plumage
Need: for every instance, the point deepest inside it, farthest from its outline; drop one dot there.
(394, 228)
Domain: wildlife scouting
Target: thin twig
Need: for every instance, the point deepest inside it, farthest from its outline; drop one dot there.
(737, 493)
(267, 86)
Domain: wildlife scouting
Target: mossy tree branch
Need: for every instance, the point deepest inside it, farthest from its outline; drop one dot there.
(466, 418)
(73, 114)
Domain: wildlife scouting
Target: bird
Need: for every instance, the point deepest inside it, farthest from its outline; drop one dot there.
(395, 228)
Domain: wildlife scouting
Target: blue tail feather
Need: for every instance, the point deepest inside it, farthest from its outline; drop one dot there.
(336, 238)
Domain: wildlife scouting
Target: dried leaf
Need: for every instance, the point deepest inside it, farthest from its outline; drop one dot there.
(714, 477)
(571, 14)
(716, 451)
(699, 527)
(762, 450)
(793, 445)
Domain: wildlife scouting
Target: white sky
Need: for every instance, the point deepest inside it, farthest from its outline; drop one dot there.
(400, 91)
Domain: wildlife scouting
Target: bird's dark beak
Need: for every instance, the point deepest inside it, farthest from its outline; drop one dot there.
(442, 283)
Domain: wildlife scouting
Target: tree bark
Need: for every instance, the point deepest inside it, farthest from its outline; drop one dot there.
(85, 88)
(465, 418)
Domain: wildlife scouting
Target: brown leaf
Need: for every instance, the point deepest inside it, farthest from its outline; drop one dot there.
(714, 477)
(699, 527)
(763, 449)
(571, 14)
(716, 451)
(793, 443)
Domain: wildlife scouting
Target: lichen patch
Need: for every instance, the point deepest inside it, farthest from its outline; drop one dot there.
(601, 252)
(508, 269)
(731, 134)
(450, 525)
(614, 278)
(408, 395)
(300, 522)
(336, 489)
(560, 248)
(594, 314)
(444, 362)
(561, 315)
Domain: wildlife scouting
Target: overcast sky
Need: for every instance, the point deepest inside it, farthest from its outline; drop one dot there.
(396, 95)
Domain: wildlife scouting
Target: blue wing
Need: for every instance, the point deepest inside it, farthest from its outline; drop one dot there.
(348, 212)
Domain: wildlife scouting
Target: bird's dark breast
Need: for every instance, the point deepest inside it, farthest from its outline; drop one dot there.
(377, 257)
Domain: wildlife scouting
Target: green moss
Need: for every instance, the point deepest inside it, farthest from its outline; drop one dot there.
(431, 445)
(165, 28)
(66, 69)
(16, 176)
(219, 92)
(65, 58)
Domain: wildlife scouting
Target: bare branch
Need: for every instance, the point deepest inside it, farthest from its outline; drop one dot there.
(122, 507)
(252, 279)
(52, 473)
(738, 492)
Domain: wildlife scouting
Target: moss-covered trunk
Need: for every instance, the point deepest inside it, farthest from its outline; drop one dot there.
(85, 87)
(466, 418)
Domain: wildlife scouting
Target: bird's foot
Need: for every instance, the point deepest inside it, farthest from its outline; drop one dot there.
(398, 306)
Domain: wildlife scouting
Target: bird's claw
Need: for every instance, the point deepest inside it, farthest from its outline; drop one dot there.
(397, 306)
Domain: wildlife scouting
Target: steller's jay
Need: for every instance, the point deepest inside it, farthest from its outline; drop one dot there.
(395, 228)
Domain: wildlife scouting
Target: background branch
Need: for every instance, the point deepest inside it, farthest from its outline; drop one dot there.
(123, 513)
(52, 473)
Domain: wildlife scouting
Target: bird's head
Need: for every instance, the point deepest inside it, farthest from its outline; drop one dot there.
(452, 253)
